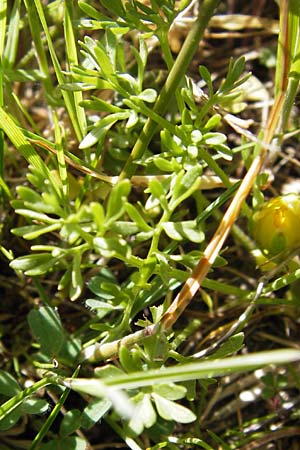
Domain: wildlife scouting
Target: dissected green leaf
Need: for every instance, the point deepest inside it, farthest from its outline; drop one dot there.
(128, 361)
(214, 138)
(231, 346)
(167, 165)
(205, 74)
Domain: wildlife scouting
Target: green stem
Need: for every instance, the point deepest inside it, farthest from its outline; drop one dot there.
(164, 43)
(175, 77)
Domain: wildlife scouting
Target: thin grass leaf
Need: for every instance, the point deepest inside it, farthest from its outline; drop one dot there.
(35, 29)
(14, 402)
(71, 51)
(68, 96)
(294, 54)
(185, 372)
(12, 40)
(3, 20)
(18, 139)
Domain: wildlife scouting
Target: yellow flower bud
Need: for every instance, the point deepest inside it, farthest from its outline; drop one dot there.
(276, 225)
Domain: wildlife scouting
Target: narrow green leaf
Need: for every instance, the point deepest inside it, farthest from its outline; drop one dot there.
(18, 139)
(76, 277)
(33, 264)
(91, 11)
(100, 129)
(205, 74)
(3, 20)
(12, 39)
(68, 97)
(117, 200)
(135, 215)
(34, 231)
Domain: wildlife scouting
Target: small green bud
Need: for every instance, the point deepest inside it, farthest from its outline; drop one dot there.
(276, 225)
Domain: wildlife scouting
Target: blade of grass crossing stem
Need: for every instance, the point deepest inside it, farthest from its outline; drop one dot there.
(35, 28)
(67, 96)
(175, 77)
(50, 419)
(184, 372)
(73, 59)
(16, 400)
(57, 408)
(18, 139)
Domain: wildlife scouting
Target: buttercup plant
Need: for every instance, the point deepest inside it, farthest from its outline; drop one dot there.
(275, 225)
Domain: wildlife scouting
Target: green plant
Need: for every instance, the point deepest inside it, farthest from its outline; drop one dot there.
(117, 210)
